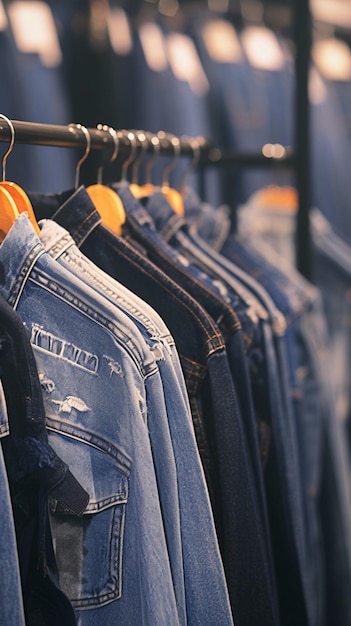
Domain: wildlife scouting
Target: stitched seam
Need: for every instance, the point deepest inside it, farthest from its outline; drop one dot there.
(216, 335)
(82, 224)
(208, 294)
(93, 314)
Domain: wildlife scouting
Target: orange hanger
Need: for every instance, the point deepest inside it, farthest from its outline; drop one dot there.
(8, 212)
(19, 197)
(281, 199)
(137, 190)
(21, 201)
(109, 206)
(106, 200)
(173, 196)
(146, 190)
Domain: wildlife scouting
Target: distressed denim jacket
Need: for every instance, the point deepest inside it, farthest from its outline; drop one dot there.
(198, 543)
(113, 562)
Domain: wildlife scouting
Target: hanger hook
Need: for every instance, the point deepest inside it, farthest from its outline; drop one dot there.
(195, 146)
(156, 145)
(114, 155)
(86, 133)
(10, 148)
(176, 147)
(133, 146)
(141, 137)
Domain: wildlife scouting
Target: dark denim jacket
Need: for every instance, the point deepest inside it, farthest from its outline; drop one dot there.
(37, 476)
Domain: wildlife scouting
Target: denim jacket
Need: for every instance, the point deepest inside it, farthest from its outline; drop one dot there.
(113, 562)
(196, 539)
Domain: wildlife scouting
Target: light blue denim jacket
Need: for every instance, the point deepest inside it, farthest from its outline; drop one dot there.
(113, 562)
(201, 561)
(61, 246)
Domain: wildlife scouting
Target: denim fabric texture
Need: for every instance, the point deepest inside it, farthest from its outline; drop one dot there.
(215, 298)
(281, 419)
(58, 243)
(210, 405)
(127, 265)
(105, 404)
(11, 601)
(36, 477)
(155, 332)
(196, 349)
(189, 472)
(321, 349)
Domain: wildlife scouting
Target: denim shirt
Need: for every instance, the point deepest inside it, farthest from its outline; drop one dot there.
(94, 377)
(196, 540)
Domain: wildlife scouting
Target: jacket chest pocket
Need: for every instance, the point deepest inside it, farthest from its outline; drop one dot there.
(89, 548)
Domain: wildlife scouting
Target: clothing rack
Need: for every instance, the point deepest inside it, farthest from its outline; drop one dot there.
(298, 159)
(101, 139)
(72, 136)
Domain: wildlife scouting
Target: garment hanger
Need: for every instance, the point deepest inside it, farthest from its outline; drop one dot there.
(106, 200)
(18, 196)
(8, 209)
(137, 190)
(146, 190)
(133, 147)
(8, 212)
(195, 146)
(173, 196)
(156, 144)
